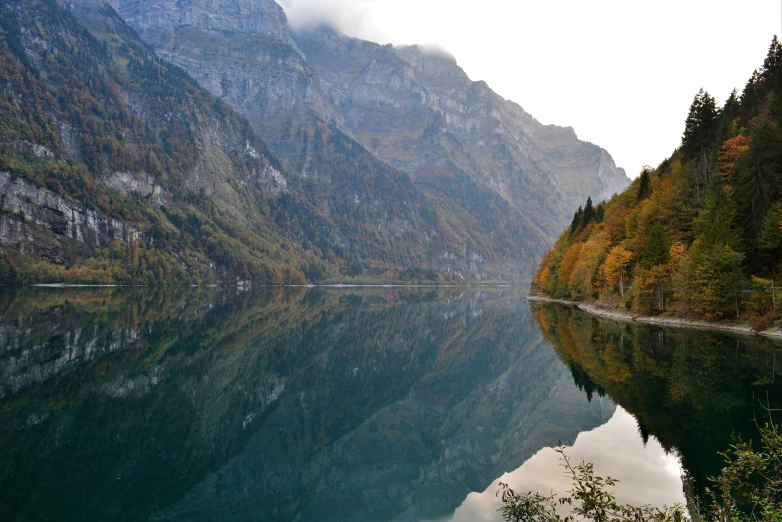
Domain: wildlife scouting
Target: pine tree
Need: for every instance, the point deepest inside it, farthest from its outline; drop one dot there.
(600, 213)
(578, 218)
(770, 238)
(757, 184)
(716, 278)
(728, 115)
(589, 213)
(772, 65)
(656, 252)
(700, 129)
(715, 222)
(643, 184)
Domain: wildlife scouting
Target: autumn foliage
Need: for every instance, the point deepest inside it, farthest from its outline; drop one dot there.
(688, 236)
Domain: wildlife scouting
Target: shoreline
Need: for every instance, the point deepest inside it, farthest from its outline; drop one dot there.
(694, 324)
(329, 285)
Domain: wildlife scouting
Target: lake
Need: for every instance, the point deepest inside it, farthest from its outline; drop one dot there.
(368, 404)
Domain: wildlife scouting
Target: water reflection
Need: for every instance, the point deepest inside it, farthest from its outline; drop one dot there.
(138, 404)
(647, 474)
(689, 389)
(286, 405)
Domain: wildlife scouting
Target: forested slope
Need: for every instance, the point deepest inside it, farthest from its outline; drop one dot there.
(116, 167)
(702, 232)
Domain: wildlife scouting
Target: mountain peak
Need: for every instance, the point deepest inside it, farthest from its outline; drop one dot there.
(161, 21)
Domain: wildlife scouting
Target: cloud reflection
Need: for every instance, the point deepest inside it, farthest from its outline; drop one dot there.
(646, 474)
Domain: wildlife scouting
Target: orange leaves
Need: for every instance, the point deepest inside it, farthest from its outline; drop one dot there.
(615, 267)
(569, 261)
(729, 154)
(677, 254)
(581, 278)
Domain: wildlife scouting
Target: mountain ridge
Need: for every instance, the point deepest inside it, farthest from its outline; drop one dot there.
(315, 198)
(273, 81)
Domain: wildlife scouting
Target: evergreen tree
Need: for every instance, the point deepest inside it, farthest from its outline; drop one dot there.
(644, 431)
(600, 213)
(643, 184)
(770, 238)
(589, 213)
(715, 222)
(731, 106)
(727, 118)
(772, 65)
(578, 218)
(757, 184)
(716, 279)
(714, 269)
(700, 129)
(656, 252)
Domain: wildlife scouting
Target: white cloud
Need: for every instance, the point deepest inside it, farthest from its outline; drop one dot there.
(622, 73)
(350, 17)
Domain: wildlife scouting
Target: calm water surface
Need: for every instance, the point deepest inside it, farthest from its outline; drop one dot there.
(349, 405)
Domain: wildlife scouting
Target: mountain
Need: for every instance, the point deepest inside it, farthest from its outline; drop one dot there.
(502, 184)
(116, 166)
(701, 233)
(419, 111)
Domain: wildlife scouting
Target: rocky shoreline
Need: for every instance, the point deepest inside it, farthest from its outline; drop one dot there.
(739, 328)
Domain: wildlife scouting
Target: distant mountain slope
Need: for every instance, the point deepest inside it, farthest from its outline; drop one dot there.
(500, 191)
(700, 233)
(418, 110)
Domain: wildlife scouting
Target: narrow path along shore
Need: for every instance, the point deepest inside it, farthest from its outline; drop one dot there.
(744, 329)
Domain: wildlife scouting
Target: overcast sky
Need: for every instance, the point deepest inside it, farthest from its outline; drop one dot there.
(622, 73)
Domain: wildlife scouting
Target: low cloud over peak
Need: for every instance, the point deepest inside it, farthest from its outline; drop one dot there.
(351, 17)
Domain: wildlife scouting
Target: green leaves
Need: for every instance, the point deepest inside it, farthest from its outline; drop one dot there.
(750, 485)
(657, 247)
(700, 128)
(748, 489)
(590, 499)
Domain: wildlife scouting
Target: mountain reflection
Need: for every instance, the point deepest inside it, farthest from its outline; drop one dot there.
(296, 404)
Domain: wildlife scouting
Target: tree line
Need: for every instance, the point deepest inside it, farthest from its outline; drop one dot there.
(702, 232)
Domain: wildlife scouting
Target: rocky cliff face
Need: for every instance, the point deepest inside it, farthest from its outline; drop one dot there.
(26, 209)
(239, 51)
(418, 110)
(502, 184)
(102, 141)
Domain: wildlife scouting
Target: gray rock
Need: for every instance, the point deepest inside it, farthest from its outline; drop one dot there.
(398, 100)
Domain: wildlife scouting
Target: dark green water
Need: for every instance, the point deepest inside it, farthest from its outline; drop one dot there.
(345, 405)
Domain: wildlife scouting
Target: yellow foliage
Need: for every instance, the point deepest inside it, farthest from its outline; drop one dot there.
(677, 254)
(569, 261)
(580, 281)
(614, 269)
(544, 276)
